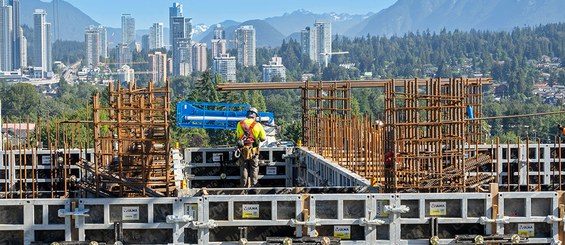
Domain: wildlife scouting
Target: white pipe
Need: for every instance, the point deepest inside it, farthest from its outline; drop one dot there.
(202, 118)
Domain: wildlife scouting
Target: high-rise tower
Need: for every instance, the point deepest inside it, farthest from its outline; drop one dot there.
(323, 32)
(103, 42)
(174, 11)
(128, 30)
(17, 36)
(123, 55)
(219, 32)
(317, 40)
(23, 48)
(245, 39)
(181, 30)
(92, 43)
(199, 57)
(158, 62)
(41, 41)
(218, 47)
(219, 42)
(156, 38)
(6, 38)
(49, 46)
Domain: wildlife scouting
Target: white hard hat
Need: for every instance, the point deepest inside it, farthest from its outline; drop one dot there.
(252, 110)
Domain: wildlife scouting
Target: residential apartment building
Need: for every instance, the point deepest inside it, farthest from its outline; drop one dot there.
(158, 62)
(317, 40)
(41, 42)
(275, 71)
(156, 38)
(246, 43)
(225, 67)
(128, 30)
(199, 57)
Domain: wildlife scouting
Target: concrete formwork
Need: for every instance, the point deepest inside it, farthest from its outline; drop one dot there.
(357, 218)
(217, 168)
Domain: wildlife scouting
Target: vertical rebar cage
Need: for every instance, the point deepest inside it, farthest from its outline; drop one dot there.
(333, 131)
(131, 135)
(427, 133)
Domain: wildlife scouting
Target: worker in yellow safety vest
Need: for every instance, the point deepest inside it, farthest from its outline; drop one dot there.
(249, 134)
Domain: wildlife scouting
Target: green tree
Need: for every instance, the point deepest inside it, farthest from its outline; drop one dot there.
(20, 100)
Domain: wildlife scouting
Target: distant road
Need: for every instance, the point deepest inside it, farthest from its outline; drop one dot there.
(54, 79)
(70, 71)
(76, 64)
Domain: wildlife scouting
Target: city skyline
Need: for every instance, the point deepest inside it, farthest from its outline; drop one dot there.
(202, 12)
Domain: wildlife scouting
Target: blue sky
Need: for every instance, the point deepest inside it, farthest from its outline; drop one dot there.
(146, 12)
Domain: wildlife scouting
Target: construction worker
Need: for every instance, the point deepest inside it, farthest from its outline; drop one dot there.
(249, 134)
(561, 129)
(388, 159)
(389, 170)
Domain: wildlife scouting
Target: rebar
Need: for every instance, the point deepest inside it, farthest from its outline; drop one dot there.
(133, 144)
(427, 134)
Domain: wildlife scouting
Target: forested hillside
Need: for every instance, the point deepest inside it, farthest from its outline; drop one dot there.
(517, 60)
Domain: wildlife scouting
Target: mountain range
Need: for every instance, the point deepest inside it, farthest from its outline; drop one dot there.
(496, 15)
(402, 17)
(70, 24)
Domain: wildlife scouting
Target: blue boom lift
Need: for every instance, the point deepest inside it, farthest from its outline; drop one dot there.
(216, 115)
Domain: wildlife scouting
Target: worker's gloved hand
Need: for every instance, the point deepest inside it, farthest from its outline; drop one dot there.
(239, 143)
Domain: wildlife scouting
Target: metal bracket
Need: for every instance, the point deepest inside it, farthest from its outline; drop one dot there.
(295, 223)
(552, 219)
(179, 218)
(500, 220)
(371, 223)
(195, 225)
(402, 209)
(79, 212)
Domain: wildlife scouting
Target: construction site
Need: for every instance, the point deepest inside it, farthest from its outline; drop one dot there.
(424, 173)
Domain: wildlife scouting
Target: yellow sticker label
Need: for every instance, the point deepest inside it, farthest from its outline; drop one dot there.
(192, 210)
(250, 211)
(342, 231)
(526, 229)
(438, 209)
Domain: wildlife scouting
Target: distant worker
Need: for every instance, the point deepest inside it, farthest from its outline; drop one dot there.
(380, 125)
(390, 156)
(249, 134)
(388, 159)
(561, 129)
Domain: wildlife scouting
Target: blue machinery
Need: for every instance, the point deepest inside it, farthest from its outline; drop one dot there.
(216, 115)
